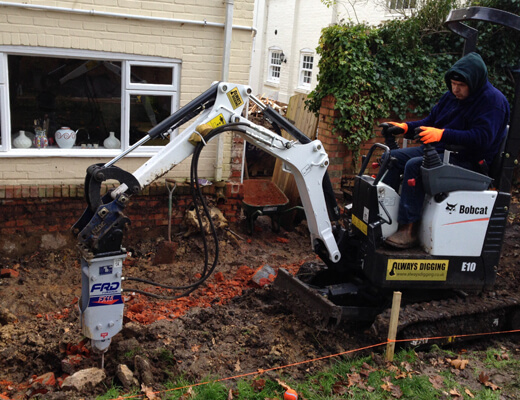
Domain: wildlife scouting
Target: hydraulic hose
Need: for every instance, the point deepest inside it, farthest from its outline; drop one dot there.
(198, 199)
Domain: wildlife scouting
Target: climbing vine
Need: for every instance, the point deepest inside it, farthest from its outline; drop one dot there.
(397, 69)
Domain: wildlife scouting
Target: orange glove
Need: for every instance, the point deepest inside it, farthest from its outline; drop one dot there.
(430, 135)
(402, 125)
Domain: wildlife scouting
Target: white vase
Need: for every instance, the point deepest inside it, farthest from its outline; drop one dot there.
(65, 137)
(111, 142)
(22, 141)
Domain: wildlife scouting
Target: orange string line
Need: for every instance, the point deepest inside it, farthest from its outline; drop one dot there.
(262, 371)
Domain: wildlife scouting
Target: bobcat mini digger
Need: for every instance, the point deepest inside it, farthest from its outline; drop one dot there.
(446, 281)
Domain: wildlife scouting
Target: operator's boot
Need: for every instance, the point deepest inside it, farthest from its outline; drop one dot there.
(405, 237)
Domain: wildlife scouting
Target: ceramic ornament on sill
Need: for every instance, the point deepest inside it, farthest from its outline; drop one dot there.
(22, 141)
(40, 140)
(65, 137)
(111, 142)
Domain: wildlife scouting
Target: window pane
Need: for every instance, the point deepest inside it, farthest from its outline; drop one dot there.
(276, 58)
(151, 75)
(307, 62)
(50, 93)
(307, 77)
(145, 113)
(275, 72)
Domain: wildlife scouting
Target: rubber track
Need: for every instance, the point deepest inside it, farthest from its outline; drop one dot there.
(462, 316)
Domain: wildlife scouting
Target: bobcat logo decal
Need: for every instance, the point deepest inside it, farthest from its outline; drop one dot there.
(450, 207)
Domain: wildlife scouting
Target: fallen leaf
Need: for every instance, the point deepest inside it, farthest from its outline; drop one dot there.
(387, 387)
(392, 368)
(368, 367)
(437, 381)
(502, 356)
(484, 379)
(354, 379)
(468, 392)
(397, 392)
(407, 366)
(340, 388)
(148, 392)
(259, 384)
(230, 394)
(491, 385)
(454, 392)
(237, 366)
(459, 364)
(401, 375)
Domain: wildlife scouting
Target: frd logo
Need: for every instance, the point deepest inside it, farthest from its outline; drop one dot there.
(104, 335)
(105, 287)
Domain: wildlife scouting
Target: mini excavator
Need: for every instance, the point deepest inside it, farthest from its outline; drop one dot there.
(446, 281)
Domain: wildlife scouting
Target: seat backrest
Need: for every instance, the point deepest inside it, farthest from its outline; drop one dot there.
(496, 164)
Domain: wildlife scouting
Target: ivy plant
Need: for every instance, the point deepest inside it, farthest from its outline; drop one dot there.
(397, 70)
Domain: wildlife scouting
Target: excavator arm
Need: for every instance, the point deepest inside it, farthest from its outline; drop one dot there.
(100, 229)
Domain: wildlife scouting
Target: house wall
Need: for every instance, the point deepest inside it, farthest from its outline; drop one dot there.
(371, 12)
(198, 48)
(293, 25)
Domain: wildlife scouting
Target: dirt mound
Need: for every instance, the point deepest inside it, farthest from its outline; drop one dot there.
(229, 327)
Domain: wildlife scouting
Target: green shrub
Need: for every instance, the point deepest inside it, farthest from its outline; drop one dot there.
(398, 68)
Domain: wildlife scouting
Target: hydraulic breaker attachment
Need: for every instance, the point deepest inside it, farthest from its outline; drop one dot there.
(101, 304)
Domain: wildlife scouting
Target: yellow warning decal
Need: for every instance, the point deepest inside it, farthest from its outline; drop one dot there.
(235, 98)
(359, 224)
(417, 270)
(217, 121)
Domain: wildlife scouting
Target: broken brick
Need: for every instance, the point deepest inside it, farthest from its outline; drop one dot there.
(9, 273)
(47, 379)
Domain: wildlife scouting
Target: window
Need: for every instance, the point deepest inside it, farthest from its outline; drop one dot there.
(275, 63)
(401, 4)
(306, 62)
(91, 93)
(3, 102)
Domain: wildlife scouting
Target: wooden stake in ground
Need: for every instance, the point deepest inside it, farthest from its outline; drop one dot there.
(392, 329)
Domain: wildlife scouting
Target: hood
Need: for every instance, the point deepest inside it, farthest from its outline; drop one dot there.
(472, 68)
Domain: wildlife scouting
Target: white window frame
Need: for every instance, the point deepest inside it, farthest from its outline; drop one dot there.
(301, 76)
(4, 103)
(127, 89)
(397, 10)
(272, 66)
(126, 116)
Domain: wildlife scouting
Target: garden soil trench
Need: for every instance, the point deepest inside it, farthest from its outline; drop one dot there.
(228, 327)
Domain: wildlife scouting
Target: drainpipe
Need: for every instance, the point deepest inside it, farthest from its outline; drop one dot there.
(228, 31)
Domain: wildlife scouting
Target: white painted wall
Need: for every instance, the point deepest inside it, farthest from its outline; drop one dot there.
(293, 25)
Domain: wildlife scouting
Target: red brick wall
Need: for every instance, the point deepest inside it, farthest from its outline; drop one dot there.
(28, 212)
(342, 160)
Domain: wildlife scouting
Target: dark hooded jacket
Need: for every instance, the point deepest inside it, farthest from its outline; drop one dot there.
(479, 122)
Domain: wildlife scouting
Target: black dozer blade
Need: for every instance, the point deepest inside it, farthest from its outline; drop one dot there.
(306, 302)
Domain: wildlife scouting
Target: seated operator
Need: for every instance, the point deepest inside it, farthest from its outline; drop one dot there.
(472, 113)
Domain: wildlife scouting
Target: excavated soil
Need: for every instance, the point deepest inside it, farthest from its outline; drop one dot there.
(228, 327)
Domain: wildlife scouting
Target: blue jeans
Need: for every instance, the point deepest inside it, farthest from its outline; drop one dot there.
(408, 163)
